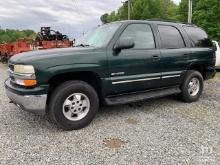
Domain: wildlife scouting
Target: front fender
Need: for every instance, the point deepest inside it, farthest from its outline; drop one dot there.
(43, 76)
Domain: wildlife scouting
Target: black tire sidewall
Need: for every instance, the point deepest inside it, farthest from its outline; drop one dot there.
(61, 94)
(189, 76)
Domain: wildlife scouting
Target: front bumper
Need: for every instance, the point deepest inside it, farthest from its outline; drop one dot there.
(32, 103)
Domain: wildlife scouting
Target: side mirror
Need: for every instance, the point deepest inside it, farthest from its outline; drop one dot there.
(125, 43)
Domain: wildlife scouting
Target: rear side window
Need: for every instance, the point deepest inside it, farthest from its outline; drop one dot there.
(170, 37)
(142, 35)
(198, 36)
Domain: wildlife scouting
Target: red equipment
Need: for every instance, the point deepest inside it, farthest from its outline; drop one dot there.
(7, 50)
(46, 39)
(22, 45)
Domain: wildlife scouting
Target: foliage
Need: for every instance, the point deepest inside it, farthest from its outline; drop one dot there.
(207, 16)
(206, 13)
(10, 35)
(142, 9)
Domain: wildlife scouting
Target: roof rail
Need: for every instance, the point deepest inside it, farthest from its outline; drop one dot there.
(171, 21)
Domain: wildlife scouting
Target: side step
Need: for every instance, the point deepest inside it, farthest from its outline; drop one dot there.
(134, 97)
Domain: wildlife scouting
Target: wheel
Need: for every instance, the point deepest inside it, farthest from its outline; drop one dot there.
(192, 86)
(73, 105)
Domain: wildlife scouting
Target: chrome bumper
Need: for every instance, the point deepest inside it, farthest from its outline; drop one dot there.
(32, 103)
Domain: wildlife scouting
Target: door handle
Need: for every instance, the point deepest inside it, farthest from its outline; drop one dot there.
(186, 56)
(156, 58)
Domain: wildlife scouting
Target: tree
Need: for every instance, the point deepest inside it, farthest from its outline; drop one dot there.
(183, 10)
(104, 18)
(10, 35)
(207, 15)
(142, 9)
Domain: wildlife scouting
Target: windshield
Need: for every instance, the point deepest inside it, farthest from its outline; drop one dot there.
(99, 37)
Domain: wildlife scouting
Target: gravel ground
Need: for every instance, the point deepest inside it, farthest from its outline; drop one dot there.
(160, 131)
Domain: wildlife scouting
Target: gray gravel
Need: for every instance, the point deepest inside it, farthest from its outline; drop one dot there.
(160, 131)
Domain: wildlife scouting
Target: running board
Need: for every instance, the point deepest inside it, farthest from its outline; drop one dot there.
(134, 97)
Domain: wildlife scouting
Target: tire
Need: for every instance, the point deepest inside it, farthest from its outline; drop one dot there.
(192, 94)
(63, 112)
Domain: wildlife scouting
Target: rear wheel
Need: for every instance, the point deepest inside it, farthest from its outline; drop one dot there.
(192, 86)
(73, 105)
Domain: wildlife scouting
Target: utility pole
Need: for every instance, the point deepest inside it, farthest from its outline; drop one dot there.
(190, 12)
(129, 9)
(128, 3)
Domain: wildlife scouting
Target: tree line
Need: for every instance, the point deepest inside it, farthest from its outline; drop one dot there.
(206, 13)
(10, 35)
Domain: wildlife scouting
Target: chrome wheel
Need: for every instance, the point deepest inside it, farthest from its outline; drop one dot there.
(194, 87)
(76, 106)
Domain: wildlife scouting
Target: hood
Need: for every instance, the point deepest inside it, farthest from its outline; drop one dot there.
(26, 57)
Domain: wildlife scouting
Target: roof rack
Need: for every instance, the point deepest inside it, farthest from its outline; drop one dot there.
(171, 21)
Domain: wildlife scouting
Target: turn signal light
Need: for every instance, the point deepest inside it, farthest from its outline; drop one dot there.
(29, 83)
(26, 83)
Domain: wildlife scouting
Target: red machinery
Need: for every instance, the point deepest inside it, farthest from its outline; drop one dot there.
(22, 45)
(46, 39)
(7, 50)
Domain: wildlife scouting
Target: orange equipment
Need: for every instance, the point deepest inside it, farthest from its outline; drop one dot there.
(7, 50)
(46, 39)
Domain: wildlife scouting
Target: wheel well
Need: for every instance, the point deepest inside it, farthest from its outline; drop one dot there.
(89, 77)
(199, 68)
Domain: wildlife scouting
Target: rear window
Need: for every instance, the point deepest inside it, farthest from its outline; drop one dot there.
(198, 36)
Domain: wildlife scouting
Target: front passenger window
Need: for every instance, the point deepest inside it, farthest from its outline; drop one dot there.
(142, 35)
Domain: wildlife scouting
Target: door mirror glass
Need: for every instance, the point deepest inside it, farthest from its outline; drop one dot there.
(124, 43)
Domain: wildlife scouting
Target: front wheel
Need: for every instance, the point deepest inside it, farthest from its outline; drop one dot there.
(73, 105)
(192, 86)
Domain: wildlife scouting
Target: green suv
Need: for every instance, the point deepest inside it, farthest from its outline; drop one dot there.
(117, 63)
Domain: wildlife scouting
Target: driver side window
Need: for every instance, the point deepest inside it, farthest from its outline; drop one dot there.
(141, 34)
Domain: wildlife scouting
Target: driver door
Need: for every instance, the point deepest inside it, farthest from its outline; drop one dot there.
(138, 68)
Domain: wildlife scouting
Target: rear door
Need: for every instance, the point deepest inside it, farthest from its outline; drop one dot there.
(202, 47)
(174, 54)
(135, 69)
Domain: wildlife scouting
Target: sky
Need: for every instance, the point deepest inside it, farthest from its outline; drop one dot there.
(71, 17)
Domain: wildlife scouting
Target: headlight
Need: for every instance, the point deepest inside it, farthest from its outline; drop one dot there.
(24, 75)
(24, 69)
